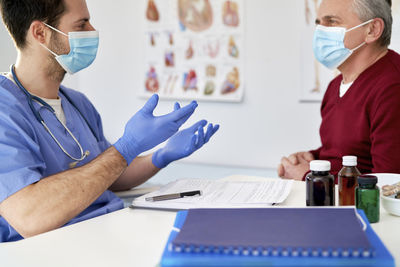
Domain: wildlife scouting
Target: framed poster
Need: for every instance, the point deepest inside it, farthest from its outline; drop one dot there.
(194, 49)
(315, 76)
(395, 42)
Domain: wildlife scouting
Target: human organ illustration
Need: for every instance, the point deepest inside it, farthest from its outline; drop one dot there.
(152, 11)
(232, 82)
(233, 50)
(196, 15)
(189, 51)
(230, 14)
(152, 84)
(190, 80)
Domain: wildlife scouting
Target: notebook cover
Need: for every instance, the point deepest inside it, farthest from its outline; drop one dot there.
(382, 257)
(273, 228)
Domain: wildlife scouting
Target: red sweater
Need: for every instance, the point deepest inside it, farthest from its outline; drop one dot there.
(365, 122)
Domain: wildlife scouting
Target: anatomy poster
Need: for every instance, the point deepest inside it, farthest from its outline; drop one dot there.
(194, 49)
(395, 42)
(315, 76)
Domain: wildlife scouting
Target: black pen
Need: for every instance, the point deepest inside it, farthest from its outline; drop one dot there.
(174, 196)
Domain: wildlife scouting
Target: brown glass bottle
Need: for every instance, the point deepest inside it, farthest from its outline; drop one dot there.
(348, 181)
(320, 184)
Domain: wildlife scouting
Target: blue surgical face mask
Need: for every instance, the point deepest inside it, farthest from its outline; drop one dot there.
(83, 50)
(328, 45)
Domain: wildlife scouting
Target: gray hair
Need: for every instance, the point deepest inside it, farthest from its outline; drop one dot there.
(370, 9)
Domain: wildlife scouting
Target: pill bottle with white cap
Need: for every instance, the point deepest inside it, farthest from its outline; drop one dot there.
(348, 181)
(320, 184)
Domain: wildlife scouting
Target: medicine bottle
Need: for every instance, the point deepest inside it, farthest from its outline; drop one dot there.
(348, 181)
(367, 197)
(320, 184)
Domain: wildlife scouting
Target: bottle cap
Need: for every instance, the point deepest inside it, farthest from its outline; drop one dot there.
(320, 165)
(367, 180)
(350, 161)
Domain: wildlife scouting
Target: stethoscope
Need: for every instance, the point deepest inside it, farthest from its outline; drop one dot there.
(30, 99)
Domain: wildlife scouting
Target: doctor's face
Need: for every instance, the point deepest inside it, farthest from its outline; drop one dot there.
(340, 13)
(76, 18)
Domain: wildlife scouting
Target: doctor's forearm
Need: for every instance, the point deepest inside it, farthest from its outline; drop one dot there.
(139, 171)
(55, 200)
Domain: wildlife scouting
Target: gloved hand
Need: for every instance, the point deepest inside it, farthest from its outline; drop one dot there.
(184, 143)
(145, 131)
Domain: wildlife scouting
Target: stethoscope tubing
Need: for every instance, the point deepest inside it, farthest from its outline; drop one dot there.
(30, 99)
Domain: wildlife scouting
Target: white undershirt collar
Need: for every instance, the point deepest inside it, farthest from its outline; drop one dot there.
(344, 88)
(54, 103)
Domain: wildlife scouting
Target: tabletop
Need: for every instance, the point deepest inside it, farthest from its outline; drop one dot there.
(134, 237)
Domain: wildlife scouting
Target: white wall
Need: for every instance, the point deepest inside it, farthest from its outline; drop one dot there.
(269, 123)
(7, 50)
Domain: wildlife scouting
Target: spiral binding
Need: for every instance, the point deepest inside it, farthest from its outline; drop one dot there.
(274, 252)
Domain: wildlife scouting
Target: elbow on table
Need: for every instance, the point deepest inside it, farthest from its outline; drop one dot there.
(27, 229)
(28, 226)
(23, 226)
(27, 223)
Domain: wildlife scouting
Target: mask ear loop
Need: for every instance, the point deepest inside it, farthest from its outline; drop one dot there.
(358, 26)
(361, 45)
(54, 29)
(54, 54)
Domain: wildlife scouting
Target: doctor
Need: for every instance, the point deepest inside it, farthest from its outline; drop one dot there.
(56, 166)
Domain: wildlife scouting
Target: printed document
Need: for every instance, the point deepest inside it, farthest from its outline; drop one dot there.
(219, 194)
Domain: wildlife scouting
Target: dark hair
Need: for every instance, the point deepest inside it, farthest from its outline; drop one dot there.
(18, 16)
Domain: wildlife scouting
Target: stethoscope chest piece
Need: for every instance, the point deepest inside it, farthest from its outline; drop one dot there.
(74, 163)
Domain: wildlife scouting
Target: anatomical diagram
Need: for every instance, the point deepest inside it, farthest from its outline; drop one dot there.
(308, 16)
(232, 82)
(152, 11)
(230, 14)
(196, 15)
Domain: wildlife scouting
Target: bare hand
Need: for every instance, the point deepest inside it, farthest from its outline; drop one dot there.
(298, 157)
(295, 166)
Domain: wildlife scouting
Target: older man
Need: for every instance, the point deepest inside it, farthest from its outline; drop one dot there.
(56, 166)
(361, 107)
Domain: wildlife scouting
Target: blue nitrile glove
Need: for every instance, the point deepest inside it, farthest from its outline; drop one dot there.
(145, 131)
(184, 143)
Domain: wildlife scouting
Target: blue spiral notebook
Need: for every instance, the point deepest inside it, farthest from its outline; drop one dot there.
(274, 237)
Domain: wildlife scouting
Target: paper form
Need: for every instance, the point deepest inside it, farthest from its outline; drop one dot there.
(220, 194)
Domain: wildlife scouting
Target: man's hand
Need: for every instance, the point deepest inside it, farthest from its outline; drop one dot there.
(180, 145)
(184, 143)
(295, 166)
(145, 131)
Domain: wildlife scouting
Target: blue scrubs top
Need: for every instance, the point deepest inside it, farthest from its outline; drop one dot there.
(29, 154)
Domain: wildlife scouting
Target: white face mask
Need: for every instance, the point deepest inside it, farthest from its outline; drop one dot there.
(328, 45)
(83, 50)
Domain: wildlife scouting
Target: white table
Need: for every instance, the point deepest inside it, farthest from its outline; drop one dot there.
(134, 237)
